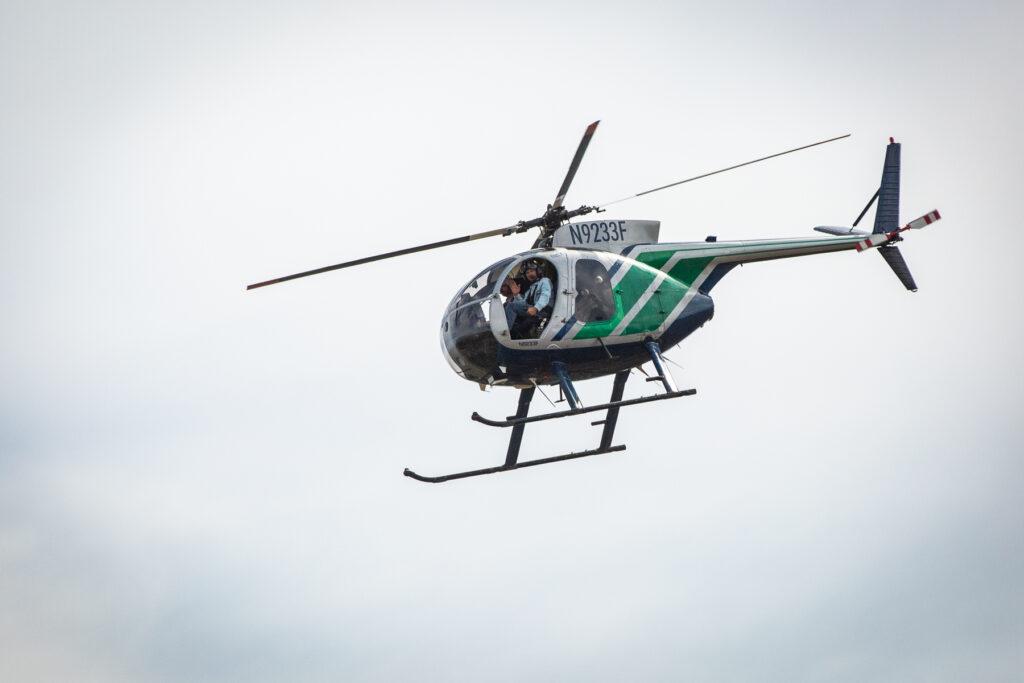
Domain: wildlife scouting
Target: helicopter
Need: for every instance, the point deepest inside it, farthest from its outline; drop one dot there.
(598, 297)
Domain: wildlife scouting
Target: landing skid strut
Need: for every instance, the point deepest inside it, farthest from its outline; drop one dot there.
(519, 421)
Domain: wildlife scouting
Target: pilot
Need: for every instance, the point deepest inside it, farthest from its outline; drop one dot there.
(535, 306)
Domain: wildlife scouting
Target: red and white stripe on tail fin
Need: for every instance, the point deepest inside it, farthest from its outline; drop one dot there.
(924, 220)
(878, 239)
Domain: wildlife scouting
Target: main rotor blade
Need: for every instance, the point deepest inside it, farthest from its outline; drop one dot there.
(575, 164)
(401, 252)
(723, 170)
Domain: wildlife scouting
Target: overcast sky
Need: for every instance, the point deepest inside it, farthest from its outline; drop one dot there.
(203, 484)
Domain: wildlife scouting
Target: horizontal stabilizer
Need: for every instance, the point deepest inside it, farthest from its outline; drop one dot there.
(840, 232)
(891, 254)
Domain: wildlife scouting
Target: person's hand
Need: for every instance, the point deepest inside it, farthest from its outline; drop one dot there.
(532, 310)
(514, 287)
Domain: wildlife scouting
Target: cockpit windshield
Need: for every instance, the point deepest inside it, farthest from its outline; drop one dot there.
(480, 287)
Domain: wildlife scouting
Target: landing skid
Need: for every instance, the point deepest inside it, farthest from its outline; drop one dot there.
(519, 421)
(507, 468)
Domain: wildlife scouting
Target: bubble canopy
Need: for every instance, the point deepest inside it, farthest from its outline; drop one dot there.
(466, 335)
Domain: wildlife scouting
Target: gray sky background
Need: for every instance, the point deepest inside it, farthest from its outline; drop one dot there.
(203, 484)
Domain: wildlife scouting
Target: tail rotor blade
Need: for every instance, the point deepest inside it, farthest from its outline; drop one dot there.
(391, 254)
(575, 164)
(923, 221)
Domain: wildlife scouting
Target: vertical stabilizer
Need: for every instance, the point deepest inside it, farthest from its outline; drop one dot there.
(887, 215)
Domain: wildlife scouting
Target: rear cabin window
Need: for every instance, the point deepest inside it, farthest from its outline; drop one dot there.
(594, 298)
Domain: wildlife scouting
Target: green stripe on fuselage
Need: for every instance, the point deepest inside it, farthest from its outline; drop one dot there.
(686, 270)
(669, 293)
(655, 259)
(657, 308)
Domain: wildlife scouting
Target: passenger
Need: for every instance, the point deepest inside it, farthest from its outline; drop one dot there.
(510, 290)
(535, 307)
(589, 304)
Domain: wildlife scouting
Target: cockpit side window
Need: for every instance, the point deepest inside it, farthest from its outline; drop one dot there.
(529, 311)
(594, 298)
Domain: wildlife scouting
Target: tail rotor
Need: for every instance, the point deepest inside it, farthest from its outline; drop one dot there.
(886, 231)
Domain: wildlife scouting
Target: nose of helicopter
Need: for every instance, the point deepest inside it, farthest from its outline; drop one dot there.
(467, 341)
(466, 337)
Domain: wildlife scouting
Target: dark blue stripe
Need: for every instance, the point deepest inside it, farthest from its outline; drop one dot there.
(717, 273)
(565, 329)
(614, 269)
(618, 263)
